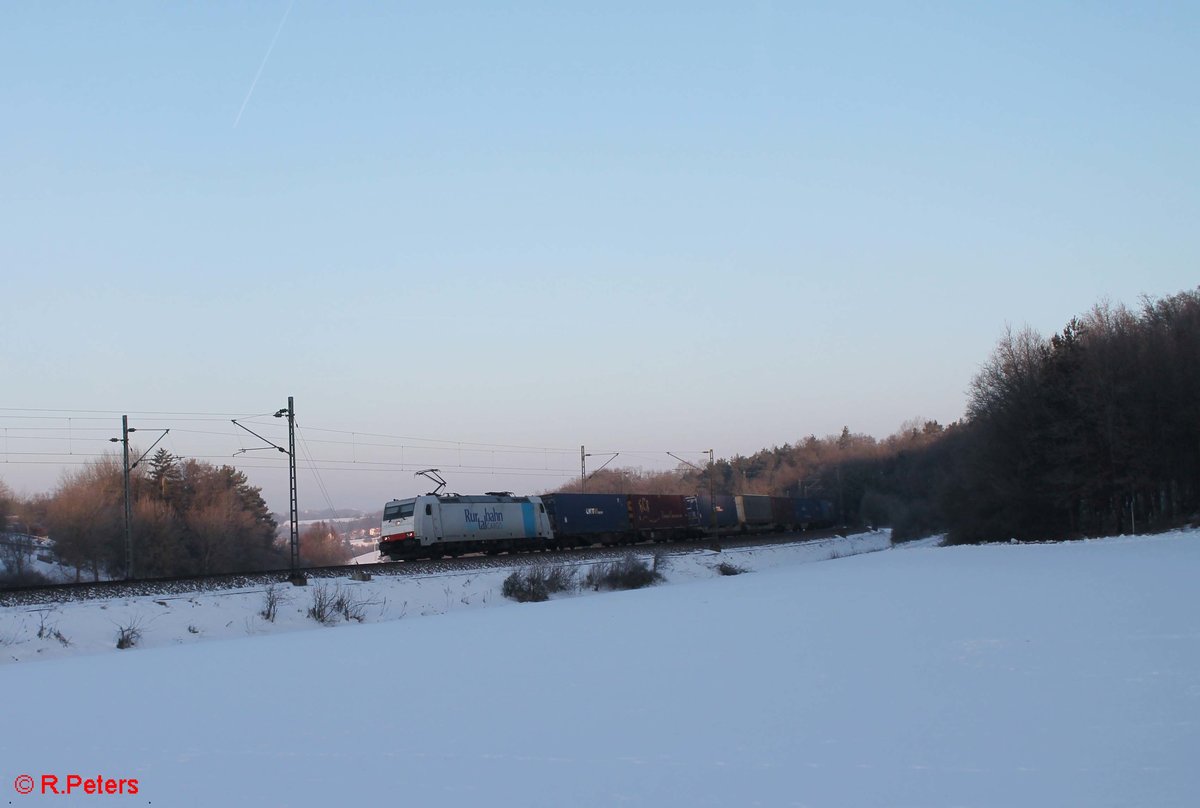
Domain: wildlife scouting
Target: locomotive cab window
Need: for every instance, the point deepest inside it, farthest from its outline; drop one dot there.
(398, 510)
(429, 510)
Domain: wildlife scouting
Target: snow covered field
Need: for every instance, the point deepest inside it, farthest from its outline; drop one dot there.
(1012, 675)
(45, 632)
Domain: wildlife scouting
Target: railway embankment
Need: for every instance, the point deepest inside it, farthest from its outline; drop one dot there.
(34, 625)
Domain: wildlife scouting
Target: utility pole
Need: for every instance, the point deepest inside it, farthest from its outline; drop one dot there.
(583, 475)
(712, 498)
(295, 576)
(712, 492)
(124, 440)
(712, 489)
(125, 430)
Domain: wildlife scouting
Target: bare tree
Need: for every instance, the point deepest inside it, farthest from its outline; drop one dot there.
(321, 545)
(216, 527)
(6, 506)
(16, 553)
(85, 517)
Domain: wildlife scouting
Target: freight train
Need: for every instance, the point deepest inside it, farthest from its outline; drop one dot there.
(436, 525)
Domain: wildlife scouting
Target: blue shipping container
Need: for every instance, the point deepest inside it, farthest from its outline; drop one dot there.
(727, 515)
(813, 511)
(587, 514)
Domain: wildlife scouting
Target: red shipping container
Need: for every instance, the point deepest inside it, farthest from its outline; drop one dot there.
(657, 512)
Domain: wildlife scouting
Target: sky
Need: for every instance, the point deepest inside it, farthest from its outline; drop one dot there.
(491, 233)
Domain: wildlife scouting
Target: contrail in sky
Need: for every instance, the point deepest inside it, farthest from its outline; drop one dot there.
(270, 48)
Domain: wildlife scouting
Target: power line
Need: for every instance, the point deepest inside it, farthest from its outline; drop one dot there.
(320, 482)
(51, 438)
(336, 465)
(440, 440)
(448, 443)
(382, 468)
(59, 428)
(70, 412)
(379, 450)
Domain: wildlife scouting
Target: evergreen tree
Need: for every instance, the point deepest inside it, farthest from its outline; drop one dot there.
(165, 476)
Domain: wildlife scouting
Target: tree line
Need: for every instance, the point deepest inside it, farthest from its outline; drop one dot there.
(188, 517)
(1093, 431)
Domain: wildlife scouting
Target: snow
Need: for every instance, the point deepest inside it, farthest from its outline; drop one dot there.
(368, 558)
(53, 572)
(92, 626)
(1031, 675)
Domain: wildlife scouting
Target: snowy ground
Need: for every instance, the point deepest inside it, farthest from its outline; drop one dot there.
(1013, 675)
(53, 572)
(46, 632)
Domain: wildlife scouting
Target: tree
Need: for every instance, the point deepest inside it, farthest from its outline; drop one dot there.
(16, 549)
(85, 518)
(217, 531)
(188, 517)
(1088, 432)
(6, 506)
(230, 526)
(321, 546)
(165, 477)
(159, 548)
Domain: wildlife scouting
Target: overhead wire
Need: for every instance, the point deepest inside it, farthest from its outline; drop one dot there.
(444, 453)
(79, 414)
(172, 414)
(316, 474)
(322, 464)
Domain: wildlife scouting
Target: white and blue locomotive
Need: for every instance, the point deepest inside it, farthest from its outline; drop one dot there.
(452, 524)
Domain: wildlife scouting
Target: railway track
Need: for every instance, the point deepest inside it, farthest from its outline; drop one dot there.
(103, 590)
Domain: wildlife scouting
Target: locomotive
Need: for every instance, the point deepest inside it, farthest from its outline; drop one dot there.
(435, 525)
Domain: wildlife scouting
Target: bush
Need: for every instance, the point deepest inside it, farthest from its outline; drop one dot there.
(26, 577)
(725, 568)
(537, 582)
(560, 579)
(350, 607)
(525, 586)
(129, 636)
(322, 609)
(271, 598)
(628, 573)
(329, 603)
(47, 631)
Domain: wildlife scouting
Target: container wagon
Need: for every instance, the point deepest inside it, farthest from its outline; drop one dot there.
(755, 512)
(659, 517)
(578, 520)
(726, 512)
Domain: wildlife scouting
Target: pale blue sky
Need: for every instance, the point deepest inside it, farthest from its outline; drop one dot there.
(640, 227)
